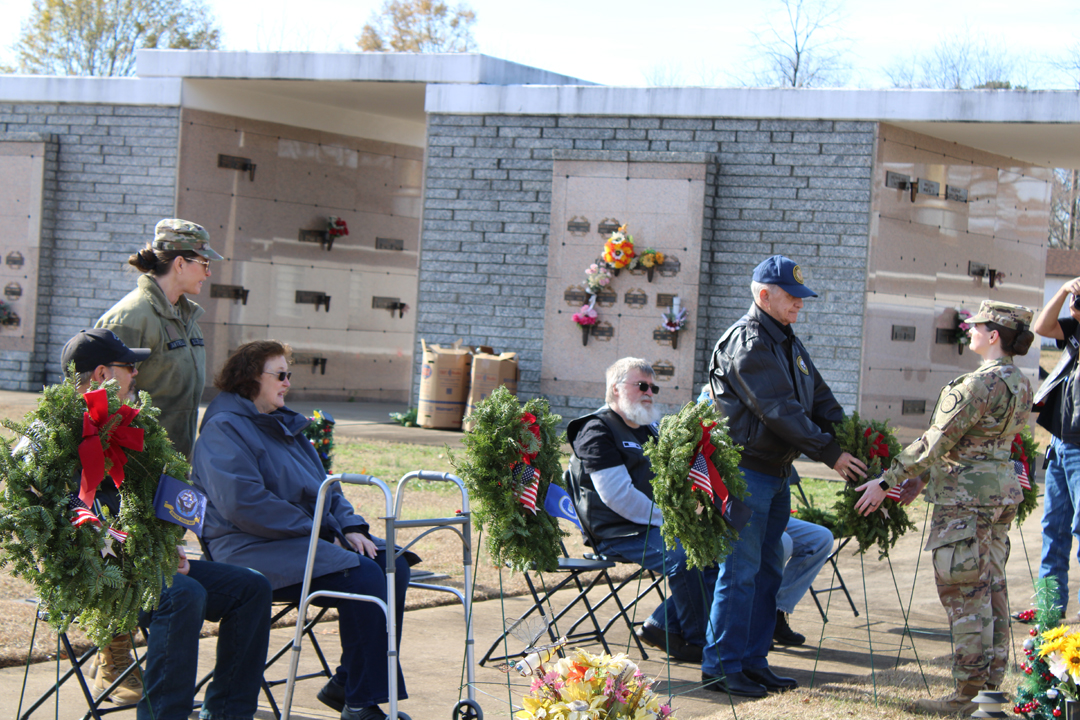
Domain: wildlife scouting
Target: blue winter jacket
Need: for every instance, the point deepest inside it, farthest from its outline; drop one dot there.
(262, 478)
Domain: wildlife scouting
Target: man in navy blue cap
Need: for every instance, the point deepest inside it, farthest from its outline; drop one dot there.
(778, 407)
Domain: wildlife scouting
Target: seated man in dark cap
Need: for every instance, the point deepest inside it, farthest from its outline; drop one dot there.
(778, 406)
(236, 597)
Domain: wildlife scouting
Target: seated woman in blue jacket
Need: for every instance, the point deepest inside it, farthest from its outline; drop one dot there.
(262, 477)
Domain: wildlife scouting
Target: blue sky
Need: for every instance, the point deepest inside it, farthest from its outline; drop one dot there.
(622, 43)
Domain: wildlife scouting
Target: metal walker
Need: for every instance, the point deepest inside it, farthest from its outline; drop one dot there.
(467, 709)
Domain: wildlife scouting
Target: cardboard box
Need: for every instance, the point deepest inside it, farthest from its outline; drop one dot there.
(444, 385)
(490, 371)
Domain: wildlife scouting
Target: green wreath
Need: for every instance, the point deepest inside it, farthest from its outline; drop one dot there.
(874, 443)
(508, 439)
(1026, 451)
(68, 566)
(689, 513)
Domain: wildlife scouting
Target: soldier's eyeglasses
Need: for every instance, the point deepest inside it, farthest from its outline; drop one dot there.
(643, 386)
(204, 263)
(130, 366)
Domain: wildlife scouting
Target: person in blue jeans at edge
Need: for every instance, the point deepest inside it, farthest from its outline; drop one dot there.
(778, 406)
(807, 547)
(1058, 402)
(611, 485)
(235, 597)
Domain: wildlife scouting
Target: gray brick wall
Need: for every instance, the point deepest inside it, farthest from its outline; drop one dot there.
(801, 188)
(113, 176)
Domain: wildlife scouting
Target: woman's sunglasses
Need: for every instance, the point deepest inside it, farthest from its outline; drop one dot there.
(281, 376)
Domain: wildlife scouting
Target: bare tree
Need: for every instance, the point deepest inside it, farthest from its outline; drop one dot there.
(963, 59)
(804, 48)
(1066, 66)
(423, 26)
(100, 37)
(664, 74)
(1065, 211)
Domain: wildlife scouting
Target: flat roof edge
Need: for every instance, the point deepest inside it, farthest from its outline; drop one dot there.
(452, 68)
(90, 90)
(999, 106)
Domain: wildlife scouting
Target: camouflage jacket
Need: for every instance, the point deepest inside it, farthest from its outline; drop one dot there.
(968, 445)
(175, 372)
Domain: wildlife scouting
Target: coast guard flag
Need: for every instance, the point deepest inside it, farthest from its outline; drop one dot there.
(558, 504)
(1021, 472)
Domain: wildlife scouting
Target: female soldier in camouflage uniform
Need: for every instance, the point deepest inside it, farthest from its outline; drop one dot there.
(975, 492)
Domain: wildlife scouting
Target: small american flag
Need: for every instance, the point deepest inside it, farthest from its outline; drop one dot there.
(699, 474)
(81, 513)
(1021, 472)
(526, 479)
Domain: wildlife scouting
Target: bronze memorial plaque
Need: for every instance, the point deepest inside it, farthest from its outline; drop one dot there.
(607, 298)
(663, 369)
(575, 296)
(636, 298)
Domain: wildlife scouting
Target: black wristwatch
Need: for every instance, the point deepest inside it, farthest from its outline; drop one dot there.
(883, 485)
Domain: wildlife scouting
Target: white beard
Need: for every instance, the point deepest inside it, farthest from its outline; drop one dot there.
(641, 414)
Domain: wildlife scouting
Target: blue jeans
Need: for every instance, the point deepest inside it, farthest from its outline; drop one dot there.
(236, 597)
(806, 548)
(685, 610)
(1060, 520)
(362, 625)
(743, 613)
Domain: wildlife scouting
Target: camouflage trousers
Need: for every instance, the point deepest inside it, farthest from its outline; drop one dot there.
(970, 547)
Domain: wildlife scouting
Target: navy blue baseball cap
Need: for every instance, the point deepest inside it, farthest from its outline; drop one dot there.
(99, 346)
(782, 271)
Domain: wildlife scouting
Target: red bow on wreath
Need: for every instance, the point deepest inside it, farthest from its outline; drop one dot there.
(703, 474)
(526, 478)
(104, 437)
(877, 447)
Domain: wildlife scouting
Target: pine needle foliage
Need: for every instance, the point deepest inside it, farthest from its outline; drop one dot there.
(689, 514)
(74, 582)
(1038, 696)
(868, 440)
(515, 536)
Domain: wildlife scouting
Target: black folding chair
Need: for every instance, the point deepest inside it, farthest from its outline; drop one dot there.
(837, 579)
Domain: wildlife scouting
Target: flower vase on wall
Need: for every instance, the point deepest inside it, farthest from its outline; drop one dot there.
(1072, 710)
(960, 348)
(649, 273)
(586, 330)
(675, 340)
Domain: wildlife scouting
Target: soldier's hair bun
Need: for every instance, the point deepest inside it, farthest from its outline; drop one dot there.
(156, 262)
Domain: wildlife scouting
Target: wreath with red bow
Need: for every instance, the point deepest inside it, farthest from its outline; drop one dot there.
(874, 443)
(693, 494)
(1024, 453)
(511, 457)
(91, 566)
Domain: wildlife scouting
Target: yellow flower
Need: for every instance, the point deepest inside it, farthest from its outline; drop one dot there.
(1071, 655)
(1054, 640)
(647, 260)
(1055, 633)
(659, 258)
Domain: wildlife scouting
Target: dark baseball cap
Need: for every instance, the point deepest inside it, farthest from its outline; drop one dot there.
(782, 271)
(99, 346)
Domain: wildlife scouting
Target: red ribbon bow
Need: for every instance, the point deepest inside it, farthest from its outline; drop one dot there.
(703, 474)
(104, 437)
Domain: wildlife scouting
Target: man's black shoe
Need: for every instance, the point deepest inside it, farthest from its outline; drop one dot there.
(783, 634)
(734, 684)
(770, 680)
(671, 643)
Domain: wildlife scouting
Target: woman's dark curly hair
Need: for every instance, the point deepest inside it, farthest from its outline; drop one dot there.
(243, 370)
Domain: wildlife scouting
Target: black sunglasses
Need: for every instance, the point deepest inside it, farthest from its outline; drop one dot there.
(643, 386)
(281, 376)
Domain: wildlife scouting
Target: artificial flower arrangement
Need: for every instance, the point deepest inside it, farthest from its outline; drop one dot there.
(962, 331)
(336, 227)
(7, 315)
(1052, 665)
(674, 321)
(597, 277)
(874, 443)
(320, 433)
(650, 260)
(586, 317)
(619, 250)
(592, 687)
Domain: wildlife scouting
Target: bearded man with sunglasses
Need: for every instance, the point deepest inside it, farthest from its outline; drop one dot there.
(778, 407)
(611, 482)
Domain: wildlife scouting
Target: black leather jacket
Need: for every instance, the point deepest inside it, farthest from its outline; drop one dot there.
(1058, 398)
(776, 402)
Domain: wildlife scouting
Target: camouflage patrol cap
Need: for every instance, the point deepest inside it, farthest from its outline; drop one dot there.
(177, 234)
(1015, 317)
